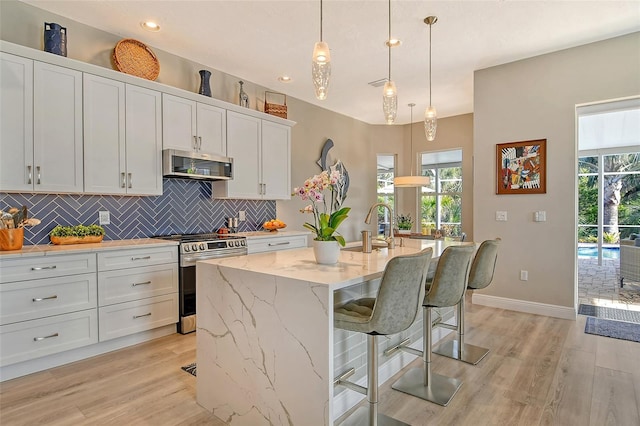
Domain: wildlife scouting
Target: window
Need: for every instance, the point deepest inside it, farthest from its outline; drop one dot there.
(441, 201)
(386, 190)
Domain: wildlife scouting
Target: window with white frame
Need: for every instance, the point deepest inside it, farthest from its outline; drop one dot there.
(385, 189)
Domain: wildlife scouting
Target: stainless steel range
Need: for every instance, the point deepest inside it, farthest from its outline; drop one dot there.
(194, 247)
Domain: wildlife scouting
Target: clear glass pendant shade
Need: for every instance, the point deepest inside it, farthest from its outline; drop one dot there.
(430, 123)
(390, 102)
(321, 69)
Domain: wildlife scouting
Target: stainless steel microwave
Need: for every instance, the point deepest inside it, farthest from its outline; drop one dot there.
(196, 165)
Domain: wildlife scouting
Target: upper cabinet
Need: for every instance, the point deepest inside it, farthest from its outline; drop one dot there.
(193, 126)
(122, 138)
(41, 121)
(261, 152)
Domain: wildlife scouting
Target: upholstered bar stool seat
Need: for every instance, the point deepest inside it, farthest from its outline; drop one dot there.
(446, 289)
(393, 310)
(480, 276)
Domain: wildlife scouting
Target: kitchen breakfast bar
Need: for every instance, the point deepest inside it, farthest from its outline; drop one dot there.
(265, 336)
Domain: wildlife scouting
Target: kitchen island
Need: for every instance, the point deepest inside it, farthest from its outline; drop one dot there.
(265, 337)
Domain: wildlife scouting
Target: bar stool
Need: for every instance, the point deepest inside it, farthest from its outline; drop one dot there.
(393, 310)
(480, 276)
(446, 290)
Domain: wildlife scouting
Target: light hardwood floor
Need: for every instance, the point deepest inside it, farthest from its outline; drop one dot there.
(540, 371)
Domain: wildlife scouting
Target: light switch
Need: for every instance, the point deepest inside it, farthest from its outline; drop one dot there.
(104, 218)
(501, 216)
(242, 216)
(540, 216)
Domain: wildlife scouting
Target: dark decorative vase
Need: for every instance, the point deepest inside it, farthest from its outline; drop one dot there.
(205, 88)
(55, 39)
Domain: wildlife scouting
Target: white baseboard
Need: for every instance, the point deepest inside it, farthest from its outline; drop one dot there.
(13, 371)
(555, 311)
(346, 400)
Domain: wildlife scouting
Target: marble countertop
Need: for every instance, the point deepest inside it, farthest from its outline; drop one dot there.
(352, 267)
(49, 249)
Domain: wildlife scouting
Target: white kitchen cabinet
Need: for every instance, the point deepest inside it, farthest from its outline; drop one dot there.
(122, 138)
(275, 243)
(193, 126)
(261, 152)
(41, 117)
(16, 123)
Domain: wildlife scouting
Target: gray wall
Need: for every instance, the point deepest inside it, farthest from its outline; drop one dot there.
(530, 99)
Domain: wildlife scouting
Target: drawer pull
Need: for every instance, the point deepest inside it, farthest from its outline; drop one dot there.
(279, 244)
(37, 339)
(41, 268)
(144, 283)
(141, 258)
(40, 299)
(140, 316)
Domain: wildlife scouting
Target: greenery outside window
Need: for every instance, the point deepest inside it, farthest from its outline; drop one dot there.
(441, 202)
(385, 189)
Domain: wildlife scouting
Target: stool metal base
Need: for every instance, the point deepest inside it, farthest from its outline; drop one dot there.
(468, 353)
(361, 417)
(441, 391)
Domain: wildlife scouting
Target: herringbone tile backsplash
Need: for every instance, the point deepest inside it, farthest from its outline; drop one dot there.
(185, 207)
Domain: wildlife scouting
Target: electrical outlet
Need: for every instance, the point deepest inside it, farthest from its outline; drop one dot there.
(524, 275)
(242, 216)
(501, 216)
(104, 218)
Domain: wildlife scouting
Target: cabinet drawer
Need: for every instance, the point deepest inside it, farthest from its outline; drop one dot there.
(32, 268)
(124, 285)
(134, 258)
(27, 300)
(276, 243)
(132, 317)
(36, 338)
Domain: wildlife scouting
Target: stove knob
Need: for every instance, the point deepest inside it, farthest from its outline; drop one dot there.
(186, 249)
(237, 243)
(194, 247)
(201, 246)
(243, 243)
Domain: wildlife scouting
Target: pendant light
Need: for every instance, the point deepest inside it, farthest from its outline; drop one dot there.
(411, 181)
(430, 115)
(321, 65)
(389, 93)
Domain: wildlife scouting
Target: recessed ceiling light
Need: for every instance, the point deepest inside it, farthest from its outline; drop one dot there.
(150, 26)
(284, 79)
(394, 42)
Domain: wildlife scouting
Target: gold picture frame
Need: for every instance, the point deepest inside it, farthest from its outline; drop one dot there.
(521, 167)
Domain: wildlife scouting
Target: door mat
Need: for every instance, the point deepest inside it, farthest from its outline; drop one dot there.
(609, 313)
(191, 368)
(616, 329)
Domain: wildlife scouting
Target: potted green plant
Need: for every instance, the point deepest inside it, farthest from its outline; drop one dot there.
(404, 223)
(79, 234)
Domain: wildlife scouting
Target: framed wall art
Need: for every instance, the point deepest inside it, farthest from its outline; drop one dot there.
(521, 167)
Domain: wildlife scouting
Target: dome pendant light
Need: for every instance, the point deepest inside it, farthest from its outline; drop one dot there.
(411, 181)
(321, 65)
(389, 93)
(430, 115)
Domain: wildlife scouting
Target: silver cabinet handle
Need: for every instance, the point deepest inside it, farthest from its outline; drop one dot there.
(199, 143)
(37, 339)
(140, 316)
(40, 268)
(40, 299)
(141, 258)
(144, 283)
(29, 171)
(130, 180)
(195, 142)
(279, 244)
(124, 180)
(38, 172)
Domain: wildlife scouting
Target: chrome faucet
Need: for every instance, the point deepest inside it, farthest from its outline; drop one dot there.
(391, 242)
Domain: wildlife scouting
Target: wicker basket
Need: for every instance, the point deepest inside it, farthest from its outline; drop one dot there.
(276, 109)
(133, 57)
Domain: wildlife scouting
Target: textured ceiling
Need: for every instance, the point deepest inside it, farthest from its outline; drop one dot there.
(261, 40)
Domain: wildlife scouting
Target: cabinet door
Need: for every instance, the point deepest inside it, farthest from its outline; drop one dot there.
(104, 137)
(276, 161)
(178, 123)
(144, 141)
(57, 131)
(16, 123)
(243, 144)
(212, 129)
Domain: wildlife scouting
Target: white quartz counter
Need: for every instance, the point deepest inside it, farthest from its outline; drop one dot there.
(265, 346)
(49, 249)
